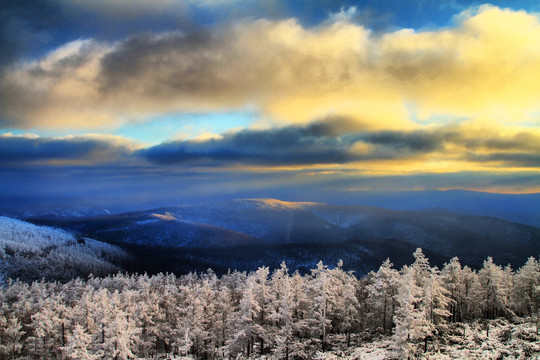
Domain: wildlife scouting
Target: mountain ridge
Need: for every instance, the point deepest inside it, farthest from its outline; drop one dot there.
(270, 228)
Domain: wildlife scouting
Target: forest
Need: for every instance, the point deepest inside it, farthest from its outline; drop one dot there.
(263, 314)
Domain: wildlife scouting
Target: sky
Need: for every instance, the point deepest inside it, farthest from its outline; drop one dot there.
(194, 100)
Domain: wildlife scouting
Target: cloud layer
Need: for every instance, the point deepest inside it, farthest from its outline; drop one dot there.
(336, 97)
(90, 150)
(333, 142)
(486, 65)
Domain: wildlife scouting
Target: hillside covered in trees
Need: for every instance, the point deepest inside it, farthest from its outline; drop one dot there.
(30, 252)
(277, 315)
(245, 234)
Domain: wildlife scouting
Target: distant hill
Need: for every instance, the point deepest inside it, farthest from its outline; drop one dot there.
(154, 227)
(520, 208)
(29, 252)
(16, 206)
(244, 234)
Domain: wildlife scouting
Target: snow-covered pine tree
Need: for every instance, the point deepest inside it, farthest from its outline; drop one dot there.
(420, 268)
(78, 345)
(281, 312)
(527, 278)
(246, 327)
(183, 333)
(223, 322)
(454, 281)
(382, 291)
(493, 289)
(148, 313)
(472, 304)
(49, 326)
(301, 307)
(435, 302)
(11, 344)
(321, 291)
(121, 335)
(345, 309)
(205, 318)
(411, 324)
(263, 298)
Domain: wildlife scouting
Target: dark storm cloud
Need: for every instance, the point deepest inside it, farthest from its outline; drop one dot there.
(285, 146)
(331, 141)
(25, 26)
(328, 141)
(23, 150)
(30, 27)
(522, 141)
(333, 126)
(416, 141)
(147, 53)
(340, 141)
(508, 159)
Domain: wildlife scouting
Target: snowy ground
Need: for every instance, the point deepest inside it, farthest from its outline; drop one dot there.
(464, 341)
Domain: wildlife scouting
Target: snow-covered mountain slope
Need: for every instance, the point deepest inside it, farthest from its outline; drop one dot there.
(156, 228)
(31, 252)
(447, 233)
(239, 222)
(303, 230)
(444, 232)
(272, 220)
(271, 204)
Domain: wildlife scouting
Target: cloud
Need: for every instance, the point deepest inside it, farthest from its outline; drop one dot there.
(172, 8)
(23, 27)
(418, 141)
(484, 66)
(519, 141)
(82, 150)
(292, 145)
(330, 143)
(340, 141)
(347, 94)
(334, 155)
(531, 160)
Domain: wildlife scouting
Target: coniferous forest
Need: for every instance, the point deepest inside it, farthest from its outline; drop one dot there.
(263, 314)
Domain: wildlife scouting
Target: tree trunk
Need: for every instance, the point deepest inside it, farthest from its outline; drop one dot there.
(384, 314)
(63, 335)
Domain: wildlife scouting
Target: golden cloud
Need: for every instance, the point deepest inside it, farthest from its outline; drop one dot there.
(486, 66)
